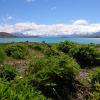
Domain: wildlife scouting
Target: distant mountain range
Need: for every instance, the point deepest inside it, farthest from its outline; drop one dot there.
(8, 35)
(97, 34)
(14, 35)
(87, 35)
(4, 34)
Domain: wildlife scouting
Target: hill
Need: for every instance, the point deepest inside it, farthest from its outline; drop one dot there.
(57, 71)
(4, 34)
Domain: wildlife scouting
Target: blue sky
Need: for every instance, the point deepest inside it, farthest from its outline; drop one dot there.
(49, 11)
(50, 17)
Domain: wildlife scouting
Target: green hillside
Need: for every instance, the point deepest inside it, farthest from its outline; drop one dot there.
(41, 71)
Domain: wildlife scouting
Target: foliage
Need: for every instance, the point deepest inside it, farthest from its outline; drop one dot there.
(54, 76)
(49, 71)
(2, 56)
(96, 79)
(94, 95)
(35, 47)
(7, 72)
(66, 46)
(16, 51)
(18, 90)
(95, 85)
(85, 56)
(36, 65)
(50, 52)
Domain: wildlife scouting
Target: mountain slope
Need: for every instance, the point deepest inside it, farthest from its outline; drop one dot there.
(4, 34)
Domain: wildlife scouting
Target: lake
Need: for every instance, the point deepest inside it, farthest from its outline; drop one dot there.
(51, 40)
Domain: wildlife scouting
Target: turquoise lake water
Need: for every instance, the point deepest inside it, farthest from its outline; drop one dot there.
(51, 40)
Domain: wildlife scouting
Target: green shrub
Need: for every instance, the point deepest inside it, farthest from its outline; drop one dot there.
(95, 83)
(36, 65)
(96, 79)
(54, 76)
(39, 48)
(7, 72)
(66, 46)
(19, 91)
(85, 56)
(2, 56)
(50, 52)
(16, 51)
(94, 95)
(35, 47)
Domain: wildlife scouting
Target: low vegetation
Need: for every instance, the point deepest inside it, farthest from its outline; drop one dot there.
(2, 55)
(16, 51)
(41, 71)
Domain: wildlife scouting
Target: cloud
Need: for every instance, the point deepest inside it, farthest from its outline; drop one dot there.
(6, 19)
(80, 22)
(53, 8)
(30, 28)
(30, 1)
(9, 17)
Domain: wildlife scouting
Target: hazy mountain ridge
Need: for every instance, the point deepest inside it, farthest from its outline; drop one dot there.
(87, 35)
(18, 34)
(5, 34)
(8, 35)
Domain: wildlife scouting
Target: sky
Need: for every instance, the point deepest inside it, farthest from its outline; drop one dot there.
(50, 17)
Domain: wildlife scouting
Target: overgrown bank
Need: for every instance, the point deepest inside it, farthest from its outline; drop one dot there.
(41, 71)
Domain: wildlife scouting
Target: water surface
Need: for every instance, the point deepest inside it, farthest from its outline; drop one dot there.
(51, 40)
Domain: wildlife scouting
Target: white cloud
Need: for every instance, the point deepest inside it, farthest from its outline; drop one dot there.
(53, 8)
(80, 22)
(30, 28)
(9, 17)
(6, 19)
(30, 0)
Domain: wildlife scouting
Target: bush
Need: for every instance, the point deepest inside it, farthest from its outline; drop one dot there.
(54, 76)
(35, 47)
(96, 79)
(36, 65)
(50, 52)
(95, 83)
(16, 51)
(7, 72)
(19, 91)
(85, 56)
(66, 46)
(2, 56)
(94, 96)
